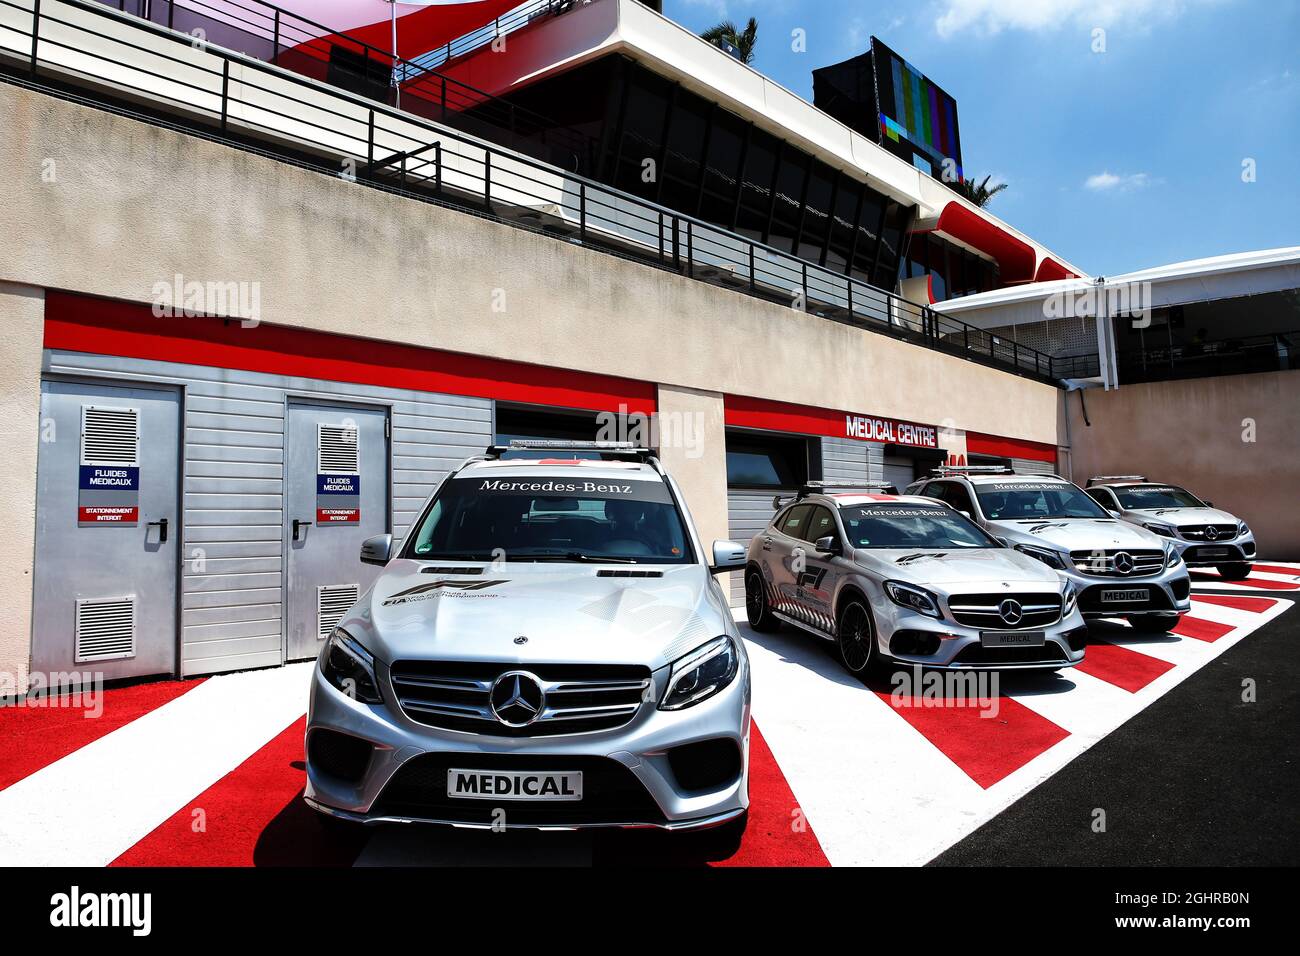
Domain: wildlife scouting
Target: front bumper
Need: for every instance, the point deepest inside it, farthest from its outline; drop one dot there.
(1208, 554)
(1168, 592)
(629, 780)
(901, 633)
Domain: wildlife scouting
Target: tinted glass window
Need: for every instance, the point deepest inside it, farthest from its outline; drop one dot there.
(552, 518)
(817, 213)
(820, 523)
(796, 521)
(756, 184)
(910, 526)
(1165, 496)
(771, 463)
(681, 173)
(1008, 501)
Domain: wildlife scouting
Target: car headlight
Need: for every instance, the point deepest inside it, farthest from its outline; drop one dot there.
(701, 674)
(1052, 559)
(913, 598)
(1164, 530)
(350, 667)
(1172, 558)
(1070, 599)
(1242, 529)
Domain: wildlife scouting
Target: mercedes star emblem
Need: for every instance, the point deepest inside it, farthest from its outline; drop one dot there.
(1123, 562)
(1211, 532)
(1011, 611)
(517, 698)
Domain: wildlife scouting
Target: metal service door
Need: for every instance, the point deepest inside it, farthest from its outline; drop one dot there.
(336, 496)
(107, 527)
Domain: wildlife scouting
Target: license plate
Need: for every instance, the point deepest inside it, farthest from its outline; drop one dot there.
(1214, 552)
(1012, 638)
(513, 785)
(1124, 597)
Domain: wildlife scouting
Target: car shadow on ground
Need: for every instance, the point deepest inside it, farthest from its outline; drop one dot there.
(1113, 632)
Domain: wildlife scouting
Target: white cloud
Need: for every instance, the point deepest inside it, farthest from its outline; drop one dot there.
(1106, 181)
(994, 16)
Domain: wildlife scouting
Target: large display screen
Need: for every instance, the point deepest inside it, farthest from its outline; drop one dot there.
(918, 120)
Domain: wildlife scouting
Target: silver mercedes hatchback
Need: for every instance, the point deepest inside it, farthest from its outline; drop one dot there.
(549, 648)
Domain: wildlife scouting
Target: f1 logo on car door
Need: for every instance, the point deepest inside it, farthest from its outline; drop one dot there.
(336, 472)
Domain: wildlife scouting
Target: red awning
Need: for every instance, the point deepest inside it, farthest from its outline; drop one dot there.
(1050, 270)
(419, 28)
(1015, 257)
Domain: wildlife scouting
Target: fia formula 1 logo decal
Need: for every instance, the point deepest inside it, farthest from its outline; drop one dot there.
(433, 589)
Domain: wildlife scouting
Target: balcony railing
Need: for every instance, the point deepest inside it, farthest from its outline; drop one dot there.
(1270, 352)
(123, 62)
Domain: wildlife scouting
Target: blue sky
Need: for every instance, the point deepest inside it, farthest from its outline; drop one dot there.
(1116, 160)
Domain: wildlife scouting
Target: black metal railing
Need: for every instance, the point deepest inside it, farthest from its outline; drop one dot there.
(263, 107)
(272, 34)
(503, 25)
(1239, 355)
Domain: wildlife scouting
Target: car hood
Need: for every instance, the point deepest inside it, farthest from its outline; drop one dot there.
(975, 569)
(1076, 534)
(566, 612)
(1181, 516)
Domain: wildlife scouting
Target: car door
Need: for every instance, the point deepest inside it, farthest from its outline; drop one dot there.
(815, 584)
(785, 549)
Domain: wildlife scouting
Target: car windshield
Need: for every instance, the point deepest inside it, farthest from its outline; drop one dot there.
(915, 527)
(1029, 501)
(1151, 496)
(552, 518)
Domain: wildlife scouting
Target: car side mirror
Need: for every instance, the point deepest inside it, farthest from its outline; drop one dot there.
(377, 550)
(827, 545)
(966, 515)
(1116, 514)
(727, 556)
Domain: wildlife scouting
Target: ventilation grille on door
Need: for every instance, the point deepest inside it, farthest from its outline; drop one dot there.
(332, 602)
(110, 436)
(105, 629)
(337, 450)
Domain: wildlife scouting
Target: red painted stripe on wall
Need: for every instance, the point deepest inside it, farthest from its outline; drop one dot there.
(106, 327)
(1127, 669)
(986, 748)
(33, 737)
(1255, 604)
(980, 444)
(253, 816)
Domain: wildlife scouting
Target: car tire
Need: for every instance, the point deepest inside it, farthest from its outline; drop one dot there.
(1238, 571)
(1154, 623)
(855, 637)
(757, 611)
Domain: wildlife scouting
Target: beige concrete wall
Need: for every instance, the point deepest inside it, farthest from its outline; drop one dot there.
(132, 205)
(22, 314)
(693, 448)
(1195, 433)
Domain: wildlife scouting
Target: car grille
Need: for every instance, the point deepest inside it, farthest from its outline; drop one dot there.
(1102, 563)
(1090, 601)
(610, 792)
(1197, 532)
(580, 698)
(976, 655)
(982, 610)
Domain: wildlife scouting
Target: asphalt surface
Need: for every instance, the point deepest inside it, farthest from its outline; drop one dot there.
(1199, 778)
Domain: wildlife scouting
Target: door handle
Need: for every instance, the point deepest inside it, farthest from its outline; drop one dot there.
(161, 525)
(298, 524)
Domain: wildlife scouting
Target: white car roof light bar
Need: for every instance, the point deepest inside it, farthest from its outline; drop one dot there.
(612, 449)
(1100, 479)
(973, 470)
(821, 487)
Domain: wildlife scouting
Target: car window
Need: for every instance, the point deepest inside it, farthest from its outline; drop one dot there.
(959, 497)
(939, 489)
(1034, 500)
(796, 519)
(911, 526)
(1104, 498)
(820, 523)
(1158, 496)
(548, 517)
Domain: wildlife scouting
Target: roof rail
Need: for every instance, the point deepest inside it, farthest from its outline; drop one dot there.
(1101, 479)
(973, 470)
(615, 450)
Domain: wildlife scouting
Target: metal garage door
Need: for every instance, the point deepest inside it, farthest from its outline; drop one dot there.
(899, 472)
(1027, 466)
(748, 513)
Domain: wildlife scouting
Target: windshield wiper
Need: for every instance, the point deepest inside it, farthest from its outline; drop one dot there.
(575, 556)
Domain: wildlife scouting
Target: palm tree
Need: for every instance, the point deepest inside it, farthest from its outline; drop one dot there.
(742, 43)
(979, 193)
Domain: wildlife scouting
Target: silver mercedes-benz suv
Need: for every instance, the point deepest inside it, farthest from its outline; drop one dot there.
(1120, 570)
(547, 649)
(907, 580)
(1204, 535)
